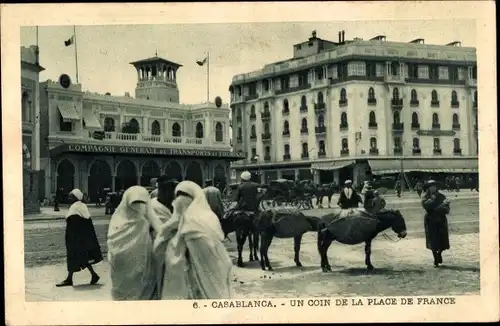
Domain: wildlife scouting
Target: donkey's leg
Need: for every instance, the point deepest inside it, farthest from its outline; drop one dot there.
(255, 244)
(240, 238)
(330, 200)
(324, 245)
(269, 239)
(368, 253)
(296, 247)
(250, 245)
(263, 248)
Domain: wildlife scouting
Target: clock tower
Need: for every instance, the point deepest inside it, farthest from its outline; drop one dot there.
(157, 79)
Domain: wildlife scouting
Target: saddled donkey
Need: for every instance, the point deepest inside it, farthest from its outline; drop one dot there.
(355, 226)
(325, 190)
(283, 223)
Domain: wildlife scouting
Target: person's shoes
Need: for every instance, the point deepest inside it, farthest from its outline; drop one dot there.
(440, 258)
(95, 279)
(65, 283)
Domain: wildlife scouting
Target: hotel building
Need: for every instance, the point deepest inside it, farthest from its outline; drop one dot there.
(353, 109)
(95, 141)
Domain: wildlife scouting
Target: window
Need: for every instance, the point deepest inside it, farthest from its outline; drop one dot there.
(133, 127)
(266, 128)
(305, 149)
(322, 148)
(395, 93)
(423, 72)
(304, 124)
(240, 134)
(253, 133)
(343, 95)
(371, 93)
(343, 119)
(266, 107)
(356, 68)
(26, 107)
(286, 126)
(443, 73)
(239, 113)
(320, 98)
(434, 96)
(156, 129)
(455, 119)
(303, 102)
(109, 124)
(373, 143)
(396, 117)
(252, 111)
(394, 69)
(176, 130)
(371, 69)
(412, 71)
(456, 145)
(287, 149)
(254, 152)
(265, 84)
(474, 72)
(321, 121)
(437, 145)
(372, 120)
(435, 119)
(345, 146)
(63, 125)
(454, 98)
(219, 132)
(397, 142)
(285, 105)
(416, 143)
(414, 119)
(268, 151)
(319, 73)
(414, 97)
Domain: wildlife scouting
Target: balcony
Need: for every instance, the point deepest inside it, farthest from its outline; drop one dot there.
(286, 133)
(397, 103)
(267, 158)
(398, 150)
(304, 155)
(372, 125)
(253, 137)
(374, 151)
(303, 108)
(343, 103)
(235, 99)
(253, 116)
(321, 154)
(304, 131)
(239, 140)
(416, 151)
(319, 107)
(414, 103)
(266, 137)
(436, 126)
(372, 101)
(285, 112)
(471, 82)
(394, 79)
(292, 89)
(455, 126)
(437, 151)
(415, 126)
(344, 152)
(455, 104)
(343, 126)
(434, 104)
(398, 127)
(457, 151)
(253, 160)
(251, 97)
(265, 116)
(321, 130)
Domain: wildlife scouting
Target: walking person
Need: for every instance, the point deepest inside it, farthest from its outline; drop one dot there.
(57, 199)
(348, 197)
(82, 246)
(197, 265)
(214, 199)
(435, 221)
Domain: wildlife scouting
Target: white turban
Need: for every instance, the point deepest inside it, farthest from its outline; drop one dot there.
(246, 176)
(348, 182)
(77, 193)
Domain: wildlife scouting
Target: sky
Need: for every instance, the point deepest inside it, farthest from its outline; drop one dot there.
(104, 52)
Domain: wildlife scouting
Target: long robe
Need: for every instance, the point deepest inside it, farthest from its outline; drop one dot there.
(436, 223)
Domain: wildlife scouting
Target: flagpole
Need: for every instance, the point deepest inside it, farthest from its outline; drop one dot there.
(37, 51)
(76, 54)
(208, 77)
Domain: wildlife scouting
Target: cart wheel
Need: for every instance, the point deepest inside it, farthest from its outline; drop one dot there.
(266, 204)
(279, 201)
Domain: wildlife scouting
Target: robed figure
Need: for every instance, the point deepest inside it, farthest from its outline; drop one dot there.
(348, 197)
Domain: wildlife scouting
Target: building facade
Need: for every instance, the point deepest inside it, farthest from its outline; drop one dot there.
(353, 109)
(95, 141)
(30, 109)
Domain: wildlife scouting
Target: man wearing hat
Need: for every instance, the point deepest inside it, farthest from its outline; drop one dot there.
(369, 196)
(349, 198)
(435, 222)
(247, 194)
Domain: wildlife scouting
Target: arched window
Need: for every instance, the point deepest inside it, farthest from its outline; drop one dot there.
(414, 96)
(286, 126)
(434, 96)
(435, 119)
(371, 93)
(321, 121)
(395, 93)
(456, 145)
(176, 130)
(285, 106)
(345, 144)
(305, 149)
(155, 128)
(266, 128)
(63, 125)
(416, 143)
(322, 147)
(304, 124)
(372, 120)
(397, 142)
(343, 95)
(252, 111)
(240, 134)
(437, 144)
(303, 101)
(396, 117)
(320, 98)
(199, 130)
(109, 124)
(455, 119)
(287, 149)
(414, 119)
(133, 126)
(343, 119)
(454, 97)
(219, 132)
(373, 142)
(253, 133)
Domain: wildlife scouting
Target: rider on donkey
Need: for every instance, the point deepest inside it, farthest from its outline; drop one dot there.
(349, 198)
(247, 195)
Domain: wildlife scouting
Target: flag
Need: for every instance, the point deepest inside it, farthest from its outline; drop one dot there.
(201, 63)
(70, 41)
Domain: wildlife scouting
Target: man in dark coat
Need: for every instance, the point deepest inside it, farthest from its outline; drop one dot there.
(349, 198)
(369, 197)
(247, 194)
(58, 199)
(435, 222)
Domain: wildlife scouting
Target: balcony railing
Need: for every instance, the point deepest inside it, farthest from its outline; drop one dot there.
(292, 89)
(343, 102)
(455, 126)
(253, 137)
(471, 82)
(320, 130)
(267, 158)
(398, 126)
(455, 104)
(372, 125)
(372, 101)
(153, 139)
(436, 126)
(286, 157)
(286, 132)
(373, 151)
(321, 154)
(417, 151)
(344, 152)
(397, 103)
(251, 97)
(457, 151)
(303, 108)
(266, 136)
(398, 79)
(304, 131)
(343, 126)
(304, 155)
(415, 126)
(239, 140)
(265, 115)
(414, 103)
(319, 107)
(253, 116)
(437, 151)
(398, 150)
(435, 104)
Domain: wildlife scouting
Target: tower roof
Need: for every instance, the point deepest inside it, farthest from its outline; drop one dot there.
(155, 60)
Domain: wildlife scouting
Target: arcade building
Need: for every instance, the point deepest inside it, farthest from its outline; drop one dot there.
(93, 141)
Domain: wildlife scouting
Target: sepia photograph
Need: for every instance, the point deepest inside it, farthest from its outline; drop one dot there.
(295, 164)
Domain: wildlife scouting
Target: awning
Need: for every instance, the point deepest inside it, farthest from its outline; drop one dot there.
(451, 165)
(330, 166)
(91, 120)
(68, 112)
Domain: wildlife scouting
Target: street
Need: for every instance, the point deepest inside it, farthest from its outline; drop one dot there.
(401, 266)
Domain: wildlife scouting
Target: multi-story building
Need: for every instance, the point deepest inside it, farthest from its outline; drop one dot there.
(30, 72)
(93, 141)
(353, 109)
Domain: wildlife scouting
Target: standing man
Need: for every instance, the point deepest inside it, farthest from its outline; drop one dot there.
(369, 196)
(397, 188)
(247, 194)
(58, 199)
(378, 202)
(349, 198)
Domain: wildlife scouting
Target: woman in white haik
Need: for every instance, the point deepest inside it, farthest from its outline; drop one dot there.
(197, 265)
(134, 271)
(82, 246)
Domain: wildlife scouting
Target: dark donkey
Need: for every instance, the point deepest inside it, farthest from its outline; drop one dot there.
(356, 228)
(325, 190)
(283, 224)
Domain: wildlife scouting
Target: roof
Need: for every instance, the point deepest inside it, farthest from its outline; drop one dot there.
(156, 60)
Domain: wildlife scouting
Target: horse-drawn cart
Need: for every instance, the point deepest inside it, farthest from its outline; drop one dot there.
(280, 192)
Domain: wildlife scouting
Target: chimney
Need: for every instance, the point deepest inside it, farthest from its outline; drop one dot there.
(340, 37)
(127, 94)
(343, 36)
